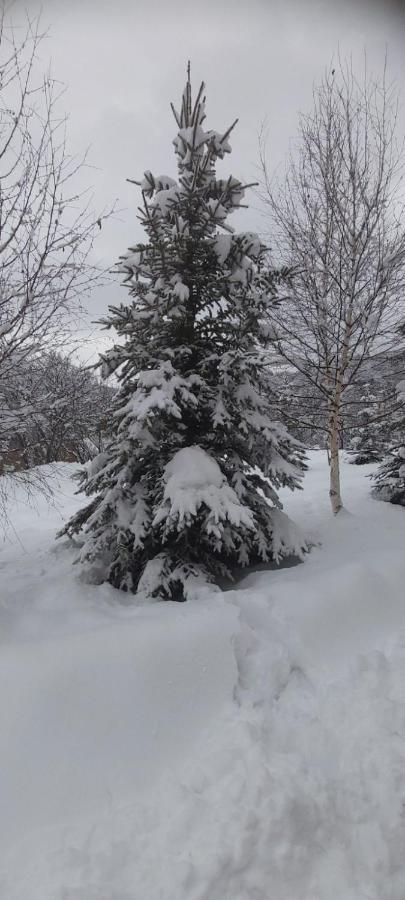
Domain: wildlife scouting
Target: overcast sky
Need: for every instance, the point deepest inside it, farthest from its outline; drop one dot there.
(124, 61)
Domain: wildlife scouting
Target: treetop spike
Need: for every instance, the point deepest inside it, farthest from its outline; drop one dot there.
(189, 71)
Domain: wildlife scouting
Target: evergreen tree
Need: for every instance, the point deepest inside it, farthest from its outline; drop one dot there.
(371, 439)
(390, 477)
(365, 449)
(186, 490)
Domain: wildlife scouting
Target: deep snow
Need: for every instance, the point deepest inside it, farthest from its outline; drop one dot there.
(250, 746)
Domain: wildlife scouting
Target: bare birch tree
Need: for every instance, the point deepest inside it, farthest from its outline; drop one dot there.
(46, 227)
(338, 217)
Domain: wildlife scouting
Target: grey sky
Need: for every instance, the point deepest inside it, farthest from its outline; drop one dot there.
(123, 62)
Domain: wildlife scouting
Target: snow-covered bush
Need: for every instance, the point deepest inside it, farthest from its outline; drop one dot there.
(187, 487)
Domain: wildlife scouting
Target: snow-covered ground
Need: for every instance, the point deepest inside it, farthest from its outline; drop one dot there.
(250, 746)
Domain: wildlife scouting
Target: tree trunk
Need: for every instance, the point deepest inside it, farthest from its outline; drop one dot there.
(334, 470)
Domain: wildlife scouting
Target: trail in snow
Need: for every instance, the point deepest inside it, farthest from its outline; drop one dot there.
(246, 748)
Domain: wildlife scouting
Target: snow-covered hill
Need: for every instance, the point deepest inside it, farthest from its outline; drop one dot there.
(250, 746)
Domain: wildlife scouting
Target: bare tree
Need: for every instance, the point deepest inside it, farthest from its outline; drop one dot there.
(338, 220)
(46, 227)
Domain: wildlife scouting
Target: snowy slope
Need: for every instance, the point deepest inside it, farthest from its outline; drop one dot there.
(247, 747)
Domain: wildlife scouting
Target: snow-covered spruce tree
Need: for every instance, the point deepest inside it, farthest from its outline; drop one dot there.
(186, 490)
(390, 476)
(364, 448)
(370, 438)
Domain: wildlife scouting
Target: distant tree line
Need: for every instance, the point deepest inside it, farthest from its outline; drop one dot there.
(54, 410)
(371, 420)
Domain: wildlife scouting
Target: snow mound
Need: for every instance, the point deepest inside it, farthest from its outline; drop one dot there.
(193, 479)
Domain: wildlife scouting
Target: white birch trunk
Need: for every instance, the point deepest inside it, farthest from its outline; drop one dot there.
(334, 468)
